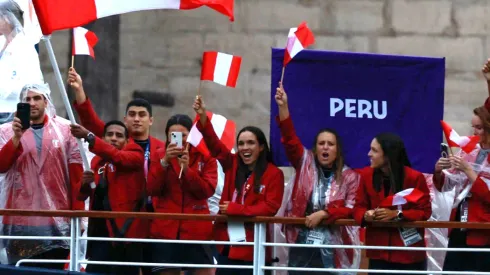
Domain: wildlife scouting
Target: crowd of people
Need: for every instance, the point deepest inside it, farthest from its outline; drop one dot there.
(132, 171)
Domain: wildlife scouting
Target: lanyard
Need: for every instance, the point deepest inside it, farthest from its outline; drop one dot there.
(147, 159)
(317, 204)
(146, 165)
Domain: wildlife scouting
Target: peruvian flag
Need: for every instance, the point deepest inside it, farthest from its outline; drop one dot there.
(225, 130)
(467, 144)
(83, 42)
(408, 195)
(298, 39)
(56, 15)
(221, 68)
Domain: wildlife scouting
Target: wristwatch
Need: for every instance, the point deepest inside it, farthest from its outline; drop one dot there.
(399, 215)
(90, 139)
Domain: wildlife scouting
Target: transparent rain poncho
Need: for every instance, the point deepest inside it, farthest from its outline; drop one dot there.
(332, 235)
(38, 180)
(455, 189)
(19, 61)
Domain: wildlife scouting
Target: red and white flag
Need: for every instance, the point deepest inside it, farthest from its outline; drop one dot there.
(467, 144)
(408, 195)
(298, 39)
(221, 68)
(225, 130)
(56, 15)
(83, 42)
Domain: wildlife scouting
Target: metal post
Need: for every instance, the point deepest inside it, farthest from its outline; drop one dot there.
(64, 95)
(77, 244)
(72, 244)
(256, 248)
(262, 254)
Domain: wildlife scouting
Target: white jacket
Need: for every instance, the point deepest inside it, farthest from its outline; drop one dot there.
(19, 65)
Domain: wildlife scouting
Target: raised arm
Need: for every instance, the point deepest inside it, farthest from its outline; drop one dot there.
(486, 74)
(216, 147)
(83, 105)
(292, 144)
(131, 156)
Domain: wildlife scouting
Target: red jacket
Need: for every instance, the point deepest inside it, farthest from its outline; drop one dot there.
(187, 195)
(478, 209)
(90, 120)
(265, 203)
(125, 181)
(367, 199)
(40, 182)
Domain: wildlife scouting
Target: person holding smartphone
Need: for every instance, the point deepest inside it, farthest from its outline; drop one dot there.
(388, 174)
(181, 184)
(43, 169)
(468, 176)
(254, 186)
(323, 190)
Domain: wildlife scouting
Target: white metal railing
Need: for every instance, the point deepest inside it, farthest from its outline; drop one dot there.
(259, 244)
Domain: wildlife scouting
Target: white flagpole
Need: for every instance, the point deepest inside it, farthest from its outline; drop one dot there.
(64, 95)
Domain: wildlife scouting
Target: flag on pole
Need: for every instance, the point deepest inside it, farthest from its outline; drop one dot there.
(225, 130)
(408, 195)
(221, 68)
(83, 42)
(298, 39)
(467, 144)
(65, 14)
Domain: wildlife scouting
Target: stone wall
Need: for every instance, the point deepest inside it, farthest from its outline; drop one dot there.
(161, 50)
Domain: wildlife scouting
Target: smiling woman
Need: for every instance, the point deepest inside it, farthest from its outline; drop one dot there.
(253, 186)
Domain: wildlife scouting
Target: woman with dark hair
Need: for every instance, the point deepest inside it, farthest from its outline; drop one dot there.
(182, 184)
(323, 190)
(253, 186)
(467, 175)
(389, 174)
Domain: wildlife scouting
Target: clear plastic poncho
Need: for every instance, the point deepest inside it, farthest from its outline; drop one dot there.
(333, 235)
(456, 188)
(38, 180)
(19, 61)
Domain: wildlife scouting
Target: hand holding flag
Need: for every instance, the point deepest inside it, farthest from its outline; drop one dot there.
(225, 129)
(467, 144)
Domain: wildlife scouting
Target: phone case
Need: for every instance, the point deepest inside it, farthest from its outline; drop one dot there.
(176, 138)
(24, 114)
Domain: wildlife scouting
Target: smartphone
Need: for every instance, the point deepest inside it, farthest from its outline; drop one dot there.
(176, 138)
(444, 150)
(24, 114)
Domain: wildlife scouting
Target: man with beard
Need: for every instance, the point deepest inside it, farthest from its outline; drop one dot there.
(43, 168)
